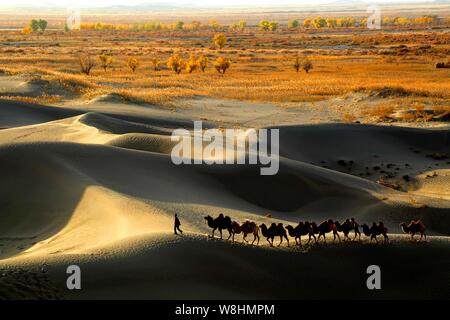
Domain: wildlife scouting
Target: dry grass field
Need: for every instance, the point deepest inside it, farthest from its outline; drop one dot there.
(398, 65)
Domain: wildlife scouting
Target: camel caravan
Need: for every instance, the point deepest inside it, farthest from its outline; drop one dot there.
(309, 229)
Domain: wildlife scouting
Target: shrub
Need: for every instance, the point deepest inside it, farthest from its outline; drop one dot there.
(34, 25)
(220, 40)
(175, 63)
(155, 63)
(86, 63)
(297, 63)
(179, 25)
(133, 63)
(202, 62)
(242, 25)
(221, 64)
(192, 64)
(307, 65)
(27, 30)
(105, 61)
(292, 24)
(42, 24)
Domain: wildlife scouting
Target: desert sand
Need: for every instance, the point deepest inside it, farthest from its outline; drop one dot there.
(92, 184)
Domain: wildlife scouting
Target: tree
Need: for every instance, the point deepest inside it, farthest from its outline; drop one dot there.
(292, 24)
(86, 63)
(297, 63)
(34, 25)
(202, 62)
(105, 61)
(155, 62)
(264, 25)
(133, 63)
(175, 63)
(242, 25)
(192, 64)
(66, 28)
(220, 40)
(179, 25)
(307, 23)
(27, 30)
(273, 26)
(331, 23)
(221, 64)
(214, 25)
(307, 65)
(319, 22)
(42, 24)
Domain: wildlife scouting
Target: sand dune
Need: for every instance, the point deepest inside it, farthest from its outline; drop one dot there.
(101, 191)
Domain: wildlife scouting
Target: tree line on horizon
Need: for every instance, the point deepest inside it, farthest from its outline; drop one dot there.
(318, 22)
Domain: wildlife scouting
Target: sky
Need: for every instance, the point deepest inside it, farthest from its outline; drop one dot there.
(106, 3)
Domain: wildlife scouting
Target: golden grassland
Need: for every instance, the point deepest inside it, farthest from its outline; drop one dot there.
(399, 64)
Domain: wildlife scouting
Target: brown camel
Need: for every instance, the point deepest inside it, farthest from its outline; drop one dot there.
(375, 230)
(328, 226)
(348, 226)
(221, 222)
(302, 229)
(246, 228)
(415, 226)
(274, 231)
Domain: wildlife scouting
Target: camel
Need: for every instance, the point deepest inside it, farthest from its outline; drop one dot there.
(246, 228)
(348, 226)
(302, 229)
(328, 226)
(415, 226)
(274, 231)
(375, 230)
(221, 222)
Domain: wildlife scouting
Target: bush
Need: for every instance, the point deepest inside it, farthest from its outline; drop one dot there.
(192, 64)
(133, 63)
(202, 62)
(292, 24)
(105, 61)
(175, 63)
(221, 64)
(155, 62)
(297, 63)
(307, 65)
(86, 63)
(220, 40)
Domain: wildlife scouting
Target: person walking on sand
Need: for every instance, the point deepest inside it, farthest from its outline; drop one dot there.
(177, 224)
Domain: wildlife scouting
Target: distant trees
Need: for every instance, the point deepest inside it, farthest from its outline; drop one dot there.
(34, 25)
(38, 25)
(155, 62)
(307, 23)
(105, 61)
(292, 24)
(191, 64)
(42, 25)
(86, 63)
(214, 25)
(302, 63)
(222, 64)
(307, 65)
(268, 25)
(220, 40)
(27, 30)
(202, 62)
(319, 22)
(242, 25)
(179, 25)
(133, 63)
(175, 63)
